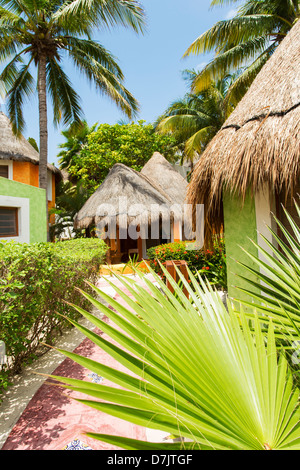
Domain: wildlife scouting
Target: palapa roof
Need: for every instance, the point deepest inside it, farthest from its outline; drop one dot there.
(163, 174)
(259, 142)
(19, 149)
(122, 190)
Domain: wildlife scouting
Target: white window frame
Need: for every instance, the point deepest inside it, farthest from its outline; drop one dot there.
(8, 163)
(49, 183)
(22, 204)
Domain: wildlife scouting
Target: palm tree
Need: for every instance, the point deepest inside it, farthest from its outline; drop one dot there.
(69, 200)
(76, 138)
(41, 34)
(245, 41)
(195, 119)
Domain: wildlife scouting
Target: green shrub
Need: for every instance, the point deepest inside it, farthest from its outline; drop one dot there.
(36, 280)
(211, 264)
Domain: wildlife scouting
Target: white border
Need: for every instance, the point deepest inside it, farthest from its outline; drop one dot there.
(8, 163)
(22, 203)
(49, 183)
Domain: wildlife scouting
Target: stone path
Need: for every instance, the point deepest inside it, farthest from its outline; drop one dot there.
(35, 415)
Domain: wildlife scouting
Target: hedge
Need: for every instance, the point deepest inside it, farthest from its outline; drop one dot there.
(36, 280)
(210, 263)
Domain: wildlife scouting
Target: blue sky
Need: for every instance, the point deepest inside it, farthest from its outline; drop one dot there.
(152, 64)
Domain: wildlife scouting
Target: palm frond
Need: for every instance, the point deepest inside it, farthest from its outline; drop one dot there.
(185, 124)
(94, 50)
(66, 102)
(193, 369)
(240, 29)
(103, 13)
(243, 81)
(22, 86)
(278, 285)
(229, 61)
(106, 80)
(199, 140)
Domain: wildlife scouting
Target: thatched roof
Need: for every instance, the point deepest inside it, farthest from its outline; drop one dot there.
(122, 190)
(19, 149)
(259, 142)
(163, 174)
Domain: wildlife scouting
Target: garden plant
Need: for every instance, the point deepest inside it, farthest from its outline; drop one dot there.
(36, 280)
(210, 263)
(196, 369)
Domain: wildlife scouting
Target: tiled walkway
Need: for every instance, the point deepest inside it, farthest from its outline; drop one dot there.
(52, 420)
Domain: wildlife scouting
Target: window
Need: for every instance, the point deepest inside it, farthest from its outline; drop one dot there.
(9, 222)
(49, 187)
(4, 171)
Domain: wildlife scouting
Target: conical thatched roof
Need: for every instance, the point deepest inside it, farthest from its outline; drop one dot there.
(163, 174)
(121, 191)
(19, 149)
(260, 140)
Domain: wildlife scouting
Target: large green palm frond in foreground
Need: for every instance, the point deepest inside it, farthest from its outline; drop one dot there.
(195, 370)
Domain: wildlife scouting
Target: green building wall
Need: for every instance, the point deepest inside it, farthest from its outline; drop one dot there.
(37, 206)
(239, 228)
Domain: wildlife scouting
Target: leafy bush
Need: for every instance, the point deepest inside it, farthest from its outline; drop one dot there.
(35, 281)
(131, 144)
(210, 264)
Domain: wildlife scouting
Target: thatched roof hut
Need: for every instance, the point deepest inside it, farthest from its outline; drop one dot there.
(18, 149)
(259, 143)
(163, 174)
(121, 191)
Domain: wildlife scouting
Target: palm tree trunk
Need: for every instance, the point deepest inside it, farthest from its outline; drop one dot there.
(43, 125)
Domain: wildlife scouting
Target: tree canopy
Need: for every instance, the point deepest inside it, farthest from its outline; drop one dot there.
(132, 144)
(195, 119)
(244, 42)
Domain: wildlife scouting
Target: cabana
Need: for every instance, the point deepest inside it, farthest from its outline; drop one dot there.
(131, 212)
(252, 166)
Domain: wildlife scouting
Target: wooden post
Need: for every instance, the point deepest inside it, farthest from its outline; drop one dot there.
(182, 266)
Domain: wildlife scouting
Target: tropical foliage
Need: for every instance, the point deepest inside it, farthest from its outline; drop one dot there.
(69, 200)
(244, 42)
(36, 281)
(195, 119)
(76, 138)
(132, 144)
(278, 280)
(196, 371)
(40, 34)
(209, 263)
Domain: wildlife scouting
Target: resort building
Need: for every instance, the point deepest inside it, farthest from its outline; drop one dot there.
(134, 211)
(22, 202)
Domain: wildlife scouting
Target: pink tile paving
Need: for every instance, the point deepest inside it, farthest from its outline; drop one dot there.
(53, 419)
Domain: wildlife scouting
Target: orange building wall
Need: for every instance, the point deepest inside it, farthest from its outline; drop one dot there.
(28, 173)
(51, 204)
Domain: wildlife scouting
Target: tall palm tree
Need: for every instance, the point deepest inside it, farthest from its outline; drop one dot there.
(195, 119)
(40, 34)
(245, 41)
